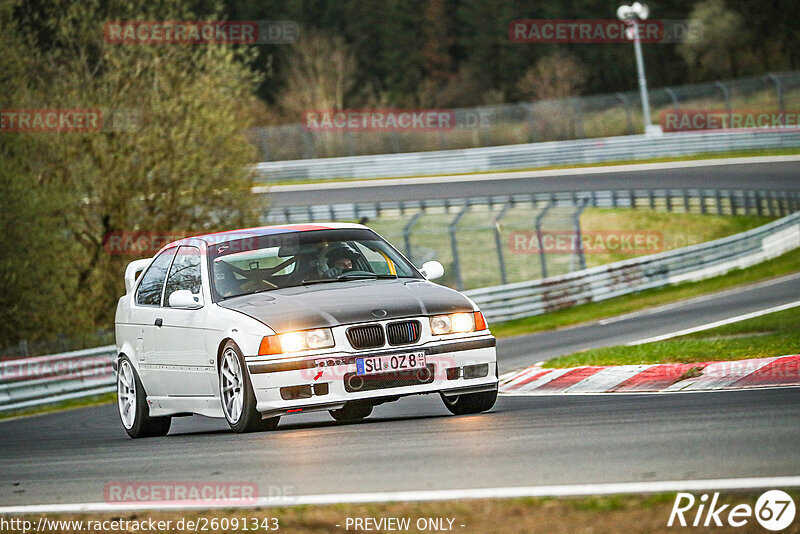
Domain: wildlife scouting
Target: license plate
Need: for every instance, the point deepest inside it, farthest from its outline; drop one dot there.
(387, 364)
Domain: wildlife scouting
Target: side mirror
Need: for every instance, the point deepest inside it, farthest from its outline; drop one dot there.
(432, 270)
(183, 298)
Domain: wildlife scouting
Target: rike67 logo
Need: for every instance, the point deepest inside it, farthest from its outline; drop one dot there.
(774, 510)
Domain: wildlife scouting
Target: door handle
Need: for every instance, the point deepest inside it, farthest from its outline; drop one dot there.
(159, 322)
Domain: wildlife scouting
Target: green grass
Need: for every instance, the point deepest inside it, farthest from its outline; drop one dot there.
(665, 159)
(477, 249)
(94, 400)
(786, 264)
(776, 334)
(675, 230)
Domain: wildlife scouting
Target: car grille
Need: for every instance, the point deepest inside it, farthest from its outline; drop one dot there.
(395, 379)
(403, 333)
(366, 337)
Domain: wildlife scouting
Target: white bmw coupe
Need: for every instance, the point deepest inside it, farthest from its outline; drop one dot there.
(251, 325)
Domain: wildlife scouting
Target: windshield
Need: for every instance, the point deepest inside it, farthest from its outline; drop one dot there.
(262, 263)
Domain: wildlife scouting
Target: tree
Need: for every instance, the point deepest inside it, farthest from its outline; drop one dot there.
(551, 81)
(32, 238)
(320, 75)
(183, 166)
(438, 40)
(558, 75)
(714, 49)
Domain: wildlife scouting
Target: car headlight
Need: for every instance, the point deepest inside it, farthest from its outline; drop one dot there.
(457, 323)
(318, 338)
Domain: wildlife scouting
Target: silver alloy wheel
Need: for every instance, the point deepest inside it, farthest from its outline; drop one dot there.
(231, 385)
(126, 394)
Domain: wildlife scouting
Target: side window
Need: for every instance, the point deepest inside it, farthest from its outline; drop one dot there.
(149, 291)
(185, 273)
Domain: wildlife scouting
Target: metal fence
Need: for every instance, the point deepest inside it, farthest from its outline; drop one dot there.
(697, 262)
(509, 157)
(471, 236)
(30, 382)
(531, 122)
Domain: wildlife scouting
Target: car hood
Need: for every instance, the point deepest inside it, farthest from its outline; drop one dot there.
(335, 303)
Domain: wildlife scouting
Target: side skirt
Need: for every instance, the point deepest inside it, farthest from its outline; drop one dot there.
(179, 406)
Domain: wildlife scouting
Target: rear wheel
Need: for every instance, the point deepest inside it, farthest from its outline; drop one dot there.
(352, 411)
(132, 403)
(471, 402)
(237, 396)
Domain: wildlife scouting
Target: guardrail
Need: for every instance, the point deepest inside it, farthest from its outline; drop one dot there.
(30, 382)
(525, 299)
(509, 157)
(772, 203)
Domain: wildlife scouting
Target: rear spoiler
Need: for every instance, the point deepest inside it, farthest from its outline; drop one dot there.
(134, 268)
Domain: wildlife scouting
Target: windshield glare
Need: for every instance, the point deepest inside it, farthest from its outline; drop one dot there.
(263, 263)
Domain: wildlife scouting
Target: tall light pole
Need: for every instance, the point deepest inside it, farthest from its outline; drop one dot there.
(632, 15)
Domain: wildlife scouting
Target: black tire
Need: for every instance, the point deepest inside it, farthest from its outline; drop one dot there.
(250, 419)
(471, 402)
(352, 411)
(144, 426)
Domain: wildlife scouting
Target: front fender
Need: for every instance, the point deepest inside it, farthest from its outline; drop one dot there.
(248, 342)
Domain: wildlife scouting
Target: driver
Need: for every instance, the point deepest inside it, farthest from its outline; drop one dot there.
(224, 279)
(340, 260)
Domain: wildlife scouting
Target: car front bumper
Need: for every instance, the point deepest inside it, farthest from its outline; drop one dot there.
(326, 382)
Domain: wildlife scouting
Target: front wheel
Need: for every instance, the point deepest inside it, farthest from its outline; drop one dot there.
(132, 403)
(237, 396)
(471, 402)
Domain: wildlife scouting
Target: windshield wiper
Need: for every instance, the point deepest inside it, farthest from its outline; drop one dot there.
(347, 277)
(318, 281)
(357, 276)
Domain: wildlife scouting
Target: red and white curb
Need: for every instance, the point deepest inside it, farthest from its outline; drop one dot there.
(669, 377)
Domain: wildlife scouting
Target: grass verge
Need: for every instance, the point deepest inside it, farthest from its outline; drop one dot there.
(786, 264)
(94, 400)
(479, 259)
(776, 334)
(598, 514)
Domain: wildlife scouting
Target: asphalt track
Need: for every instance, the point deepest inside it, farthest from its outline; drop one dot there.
(414, 444)
(784, 175)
